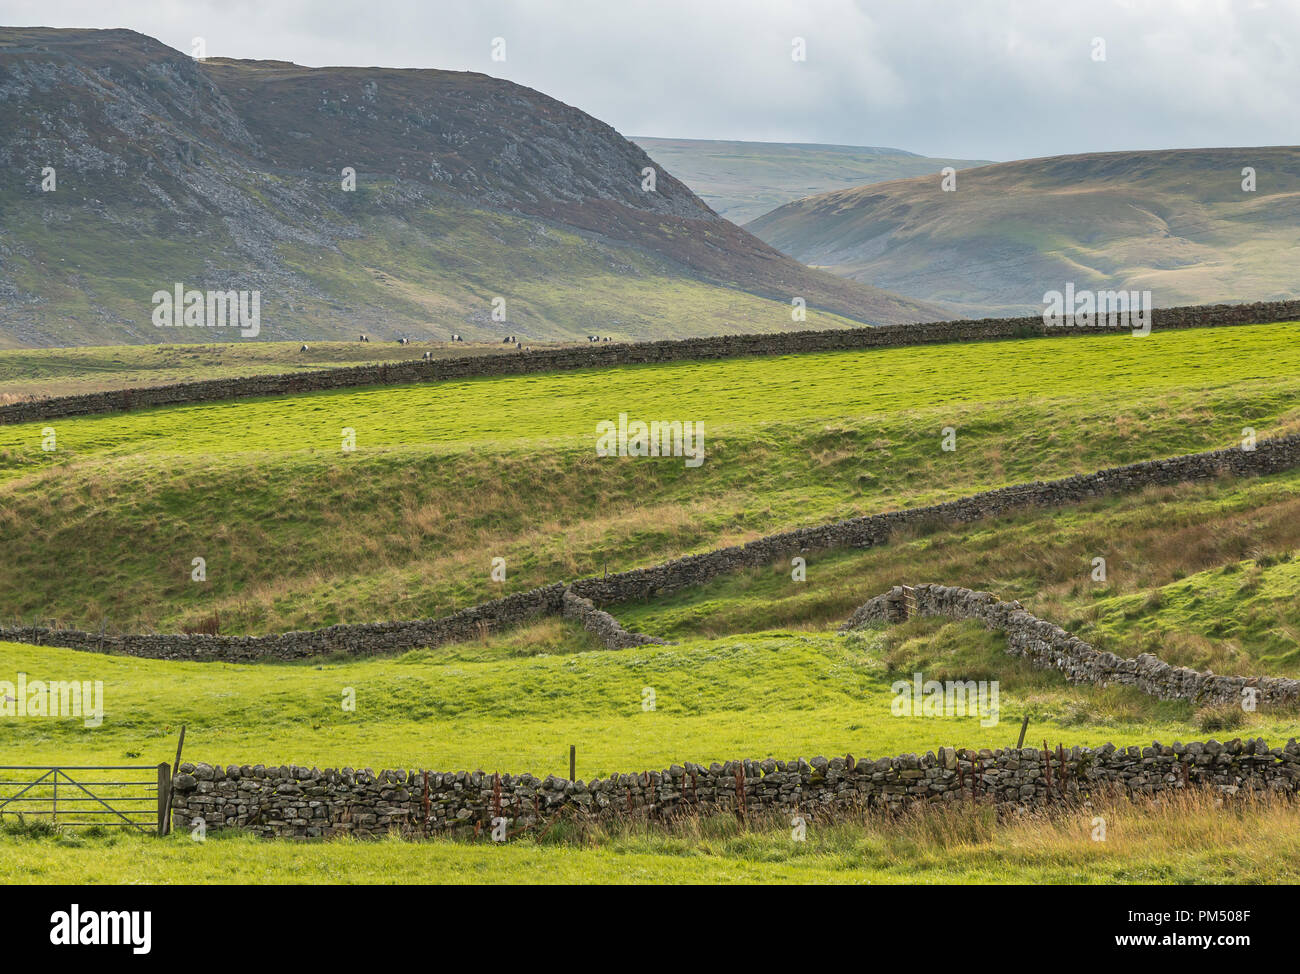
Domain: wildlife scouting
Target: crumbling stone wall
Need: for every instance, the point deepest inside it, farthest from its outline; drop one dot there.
(1050, 647)
(295, 802)
(641, 584)
(361, 639)
(603, 625)
(602, 356)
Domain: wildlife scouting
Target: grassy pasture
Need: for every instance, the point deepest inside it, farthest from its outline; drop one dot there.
(27, 373)
(1201, 575)
(298, 534)
(506, 707)
(1186, 840)
(515, 702)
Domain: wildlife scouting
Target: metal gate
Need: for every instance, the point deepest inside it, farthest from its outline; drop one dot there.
(122, 795)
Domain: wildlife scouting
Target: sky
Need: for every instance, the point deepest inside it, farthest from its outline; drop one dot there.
(978, 79)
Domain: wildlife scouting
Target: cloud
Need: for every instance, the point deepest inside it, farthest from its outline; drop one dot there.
(996, 79)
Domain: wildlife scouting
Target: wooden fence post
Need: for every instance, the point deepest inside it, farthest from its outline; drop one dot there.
(165, 815)
(573, 762)
(164, 798)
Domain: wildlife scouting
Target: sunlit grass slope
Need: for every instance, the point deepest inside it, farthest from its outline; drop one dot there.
(297, 533)
(35, 372)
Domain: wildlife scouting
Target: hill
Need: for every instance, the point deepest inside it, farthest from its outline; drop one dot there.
(227, 174)
(1174, 222)
(445, 477)
(743, 180)
(298, 534)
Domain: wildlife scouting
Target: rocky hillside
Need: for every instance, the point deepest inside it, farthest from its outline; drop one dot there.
(1175, 222)
(228, 175)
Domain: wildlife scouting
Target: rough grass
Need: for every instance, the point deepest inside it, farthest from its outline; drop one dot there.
(1201, 575)
(1191, 838)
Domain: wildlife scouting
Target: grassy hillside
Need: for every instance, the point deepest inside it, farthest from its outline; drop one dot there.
(1202, 576)
(1176, 223)
(744, 180)
(298, 534)
(230, 175)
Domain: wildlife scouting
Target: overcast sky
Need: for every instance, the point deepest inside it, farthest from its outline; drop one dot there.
(992, 79)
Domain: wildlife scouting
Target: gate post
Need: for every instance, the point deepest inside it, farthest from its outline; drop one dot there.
(164, 796)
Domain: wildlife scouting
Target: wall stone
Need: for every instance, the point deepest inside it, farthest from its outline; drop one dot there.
(295, 802)
(642, 584)
(1270, 456)
(363, 639)
(1048, 646)
(603, 625)
(603, 356)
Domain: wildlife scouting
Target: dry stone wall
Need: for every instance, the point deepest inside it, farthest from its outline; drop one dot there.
(295, 802)
(363, 639)
(642, 584)
(604, 626)
(1049, 646)
(603, 356)
(1270, 456)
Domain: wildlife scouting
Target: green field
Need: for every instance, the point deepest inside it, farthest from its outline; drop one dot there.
(31, 373)
(771, 694)
(517, 701)
(297, 533)
(1180, 842)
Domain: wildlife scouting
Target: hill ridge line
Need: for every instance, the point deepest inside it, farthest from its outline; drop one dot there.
(373, 638)
(627, 353)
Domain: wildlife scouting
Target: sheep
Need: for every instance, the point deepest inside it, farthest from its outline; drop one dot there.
(304, 349)
(363, 338)
(428, 356)
(455, 337)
